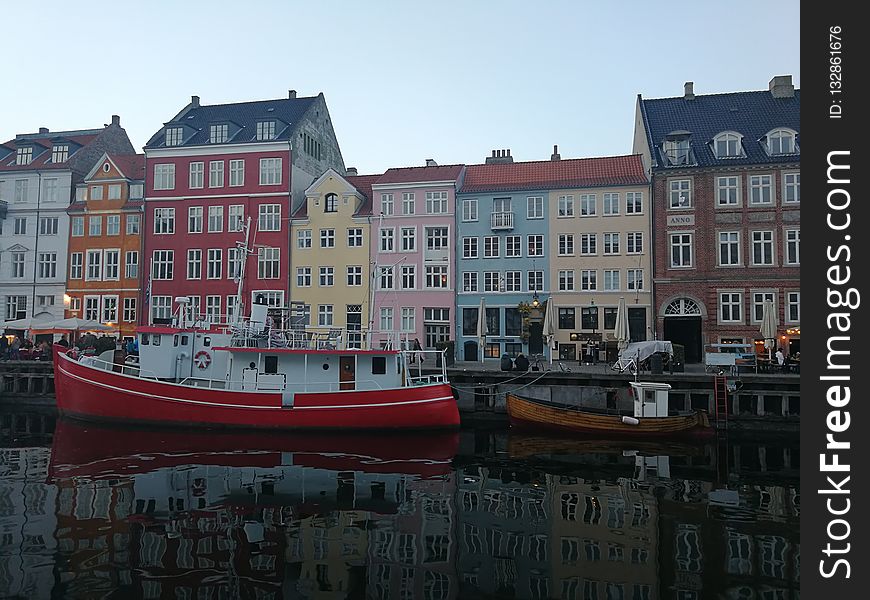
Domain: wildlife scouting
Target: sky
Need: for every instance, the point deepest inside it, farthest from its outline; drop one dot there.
(404, 81)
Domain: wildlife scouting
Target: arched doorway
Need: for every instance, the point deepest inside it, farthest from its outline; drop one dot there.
(470, 351)
(682, 325)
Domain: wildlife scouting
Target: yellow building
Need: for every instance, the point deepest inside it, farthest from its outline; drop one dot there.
(329, 270)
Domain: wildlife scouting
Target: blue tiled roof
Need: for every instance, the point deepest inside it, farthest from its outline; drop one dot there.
(244, 115)
(752, 114)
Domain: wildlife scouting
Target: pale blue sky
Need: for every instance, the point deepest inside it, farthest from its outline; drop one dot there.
(404, 81)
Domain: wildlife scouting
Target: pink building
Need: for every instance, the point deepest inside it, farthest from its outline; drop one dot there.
(413, 232)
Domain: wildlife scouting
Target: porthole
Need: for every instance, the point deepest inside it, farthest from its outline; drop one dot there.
(106, 167)
(325, 366)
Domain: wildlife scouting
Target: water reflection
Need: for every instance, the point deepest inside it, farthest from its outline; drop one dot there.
(146, 514)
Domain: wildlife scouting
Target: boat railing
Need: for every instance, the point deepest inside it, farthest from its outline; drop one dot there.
(416, 360)
(131, 369)
(248, 334)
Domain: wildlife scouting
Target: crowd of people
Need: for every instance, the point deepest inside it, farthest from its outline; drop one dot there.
(22, 348)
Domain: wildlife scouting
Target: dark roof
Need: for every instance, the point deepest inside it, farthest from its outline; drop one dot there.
(196, 120)
(42, 144)
(752, 114)
(131, 165)
(420, 174)
(555, 174)
(363, 184)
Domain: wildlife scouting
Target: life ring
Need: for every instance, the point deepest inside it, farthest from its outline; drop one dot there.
(202, 359)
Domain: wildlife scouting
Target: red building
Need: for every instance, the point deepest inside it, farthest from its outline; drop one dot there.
(208, 171)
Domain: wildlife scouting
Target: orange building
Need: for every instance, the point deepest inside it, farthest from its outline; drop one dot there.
(105, 244)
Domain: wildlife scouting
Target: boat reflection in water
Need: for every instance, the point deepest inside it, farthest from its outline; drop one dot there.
(153, 514)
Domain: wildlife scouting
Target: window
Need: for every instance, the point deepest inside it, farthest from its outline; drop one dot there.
(20, 226)
(215, 263)
(131, 264)
(387, 204)
(566, 206)
(681, 249)
(793, 307)
(327, 276)
(409, 277)
(729, 248)
(728, 145)
(760, 189)
(566, 281)
(355, 237)
(24, 156)
(110, 309)
(762, 247)
(174, 136)
(469, 281)
(611, 204)
(611, 243)
(92, 308)
(409, 319)
(566, 244)
(303, 239)
(113, 265)
(727, 191)
(48, 226)
(47, 265)
(237, 173)
(96, 192)
(213, 308)
(633, 203)
(196, 175)
(265, 130)
(324, 315)
(215, 219)
(132, 224)
(21, 190)
(680, 191)
(781, 141)
(270, 217)
(75, 265)
(436, 203)
(535, 207)
(490, 281)
(234, 263)
(469, 321)
(436, 276)
(194, 219)
(536, 281)
(513, 281)
(217, 134)
(95, 226)
(387, 236)
(94, 270)
(268, 263)
(490, 246)
(513, 246)
(59, 153)
(409, 239)
(792, 246)
(634, 242)
(588, 244)
(194, 263)
(791, 185)
(164, 177)
(161, 308)
(354, 276)
(588, 205)
(113, 224)
(566, 318)
(161, 264)
(436, 238)
(469, 210)
(408, 203)
(611, 280)
(137, 191)
(677, 151)
(758, 300)
(49, 190)
(236, 217)
(588, 280)
(77, 226)
(730, 307)
(129, 310)
(303, 276)
(164, 220)
(589, 317)
(18, 265)
(634, 280)
(536, 245)
(270, 171)
(216, 174)
(386, 318)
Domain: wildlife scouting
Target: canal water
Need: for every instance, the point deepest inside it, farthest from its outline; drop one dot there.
(95, 512)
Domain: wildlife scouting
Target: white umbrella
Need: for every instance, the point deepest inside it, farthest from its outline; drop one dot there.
(27, 323)
(769, 325)
(621, 331)
(549, 327)
(76, 324)
(482, 330)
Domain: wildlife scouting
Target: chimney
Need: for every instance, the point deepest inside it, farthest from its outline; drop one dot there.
(351, 171)
(194, 101)
(116, 120)
(689, 90)
(291, 94)
(555, 155)
(430, 162)
(500, 157)
(43, 130)
(781, 87)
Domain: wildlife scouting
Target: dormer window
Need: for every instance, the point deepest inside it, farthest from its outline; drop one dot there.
(24, 156)
(331, 204)
(174, 136)
(677, 148)
(781, 141)
(217, 134)
(59, 153)
(728, 145)
(266, 130)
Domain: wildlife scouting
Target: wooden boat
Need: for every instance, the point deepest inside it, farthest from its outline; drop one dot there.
(530, 445)
(650, 416)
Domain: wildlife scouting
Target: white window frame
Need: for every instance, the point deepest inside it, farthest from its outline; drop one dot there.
(113, 225)
(632, 276)
(162, 265)
(129, 314)
(566, 244)
(388, 205)
(491, 246)
(588, 244)
(196, 175)
(194, 264)
(469, 210)
(409, 203)
(634, 203)
(269, 263)
(214, 263)
(237, 172)
(164, 176)
(732, 300)
(95, 226)
(94, 265)
(792, 249)
(76, 265)
(513, 281)
(732, 244)
(436, 203)
(215, 219)
(194, 219)
(534, 207)
(566, 280)
(686, 241)
(513, 246)
(303, 276)
(408, 239)
(728, 191)
(215, 174)
(535, 245)
(326, 277)
(469, 281)
(132, 224)
(679, 190)
(763, 239)
(271, 171)
(77, 226)
(409, 277)
(792, 298)
(164, 221)
(774, 145)
(566, 206)
(218, 134)
(761, 190)
(303, 239)
(112, 264)
(131, 264)
(387, 239)
(354, 275)
(610, 204)
(733, 145)
(325, 315)
(588, 280)
(611, 243)
(791, 186)
(269, 217)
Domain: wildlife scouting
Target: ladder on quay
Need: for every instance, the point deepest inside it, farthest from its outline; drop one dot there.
(720, 403)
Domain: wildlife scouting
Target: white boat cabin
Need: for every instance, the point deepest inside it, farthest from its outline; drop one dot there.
(650, 398)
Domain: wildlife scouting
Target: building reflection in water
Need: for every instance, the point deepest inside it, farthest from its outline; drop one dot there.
(524, 518)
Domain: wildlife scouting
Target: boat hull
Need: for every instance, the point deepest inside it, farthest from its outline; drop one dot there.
(90, 393)
(529, 414)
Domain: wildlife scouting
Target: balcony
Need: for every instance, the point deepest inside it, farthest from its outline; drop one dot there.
(501, 221)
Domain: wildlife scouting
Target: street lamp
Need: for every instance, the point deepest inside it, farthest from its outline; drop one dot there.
(535, 301)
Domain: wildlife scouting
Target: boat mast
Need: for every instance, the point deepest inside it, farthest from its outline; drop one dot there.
(245, 250)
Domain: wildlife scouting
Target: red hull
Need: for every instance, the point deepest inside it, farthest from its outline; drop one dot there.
(95, 394)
